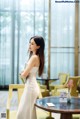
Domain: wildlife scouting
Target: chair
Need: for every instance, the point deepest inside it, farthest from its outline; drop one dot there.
(74, 91)
(63, 77)
(19, 88)
(57, 88)
(11, 114)
(44, 90)
(76, 116)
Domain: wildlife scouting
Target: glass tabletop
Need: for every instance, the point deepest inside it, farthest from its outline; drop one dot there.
(62, 107)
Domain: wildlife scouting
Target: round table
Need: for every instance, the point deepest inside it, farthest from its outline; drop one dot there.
(66, 110)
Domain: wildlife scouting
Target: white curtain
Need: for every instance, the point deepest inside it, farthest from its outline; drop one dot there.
(79, 39)
(62, 38)
(19, 20)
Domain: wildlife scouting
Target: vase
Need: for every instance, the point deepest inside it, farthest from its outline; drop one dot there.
(69, 97)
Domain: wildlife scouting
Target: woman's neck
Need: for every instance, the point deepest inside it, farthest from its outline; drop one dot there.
(34, 53)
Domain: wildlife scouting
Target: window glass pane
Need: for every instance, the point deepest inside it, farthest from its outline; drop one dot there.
(5, 46)
(5, 4)
(62, 28)
(62, 38)
(27, 5)
(62, 60)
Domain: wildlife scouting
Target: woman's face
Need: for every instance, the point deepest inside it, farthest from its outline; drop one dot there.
(32, 46)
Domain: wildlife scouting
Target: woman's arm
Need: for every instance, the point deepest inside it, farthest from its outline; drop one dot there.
(31, 63)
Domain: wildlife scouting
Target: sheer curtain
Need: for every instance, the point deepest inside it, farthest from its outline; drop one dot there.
(62, 38)
(79, 39)
(19, 20)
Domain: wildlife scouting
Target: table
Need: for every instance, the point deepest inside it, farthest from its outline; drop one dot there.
(66, 110)
(47, 80)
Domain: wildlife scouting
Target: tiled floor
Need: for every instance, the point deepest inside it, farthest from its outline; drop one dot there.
(3, 99)
(3, 102)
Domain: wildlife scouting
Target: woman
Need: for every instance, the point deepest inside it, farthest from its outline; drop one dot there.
(35, 64)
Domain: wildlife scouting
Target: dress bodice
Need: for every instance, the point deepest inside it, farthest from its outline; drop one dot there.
(34, 70)
(32, 75)
(31, 80)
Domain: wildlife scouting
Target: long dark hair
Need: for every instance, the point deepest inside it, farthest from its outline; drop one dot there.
(40, 52)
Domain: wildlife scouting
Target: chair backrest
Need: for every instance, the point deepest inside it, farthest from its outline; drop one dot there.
(74, 91)
(63, 77)
(44, 92)
(18, 87)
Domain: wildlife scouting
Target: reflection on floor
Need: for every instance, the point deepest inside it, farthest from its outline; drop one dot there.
(3, 99)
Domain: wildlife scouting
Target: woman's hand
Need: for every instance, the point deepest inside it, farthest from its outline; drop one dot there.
(23, 79)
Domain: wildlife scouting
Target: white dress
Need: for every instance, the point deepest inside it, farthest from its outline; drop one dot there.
(26, 109)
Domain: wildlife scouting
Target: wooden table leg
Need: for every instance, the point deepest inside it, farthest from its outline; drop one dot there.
(66, 116)
(47, 83)
(50, 117)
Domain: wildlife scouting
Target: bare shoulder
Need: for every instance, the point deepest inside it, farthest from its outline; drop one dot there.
(35, 60)
(35, 57)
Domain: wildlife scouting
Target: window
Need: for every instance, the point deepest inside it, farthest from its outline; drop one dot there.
(62, 38)
(19, 20)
